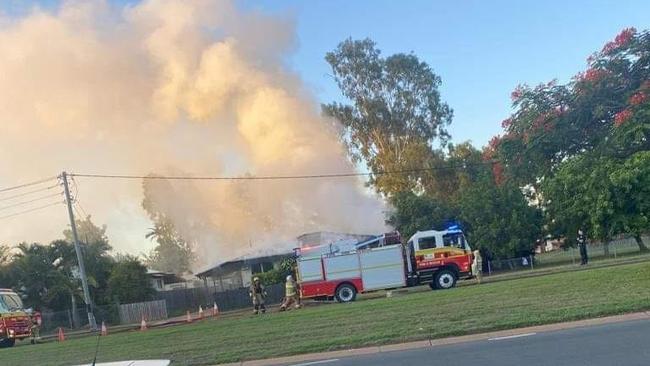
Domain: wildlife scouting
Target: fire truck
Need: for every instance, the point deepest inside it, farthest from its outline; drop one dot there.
(341, 270)
(16, 323)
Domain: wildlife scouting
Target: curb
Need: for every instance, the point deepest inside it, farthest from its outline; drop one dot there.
(444, 341)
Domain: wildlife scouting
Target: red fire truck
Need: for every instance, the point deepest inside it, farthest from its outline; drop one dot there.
(16, 323)
(342, 270)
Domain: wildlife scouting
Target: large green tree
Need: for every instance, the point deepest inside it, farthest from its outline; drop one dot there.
(36, 276)
(577, 145)
(395, 113)
(128, 282)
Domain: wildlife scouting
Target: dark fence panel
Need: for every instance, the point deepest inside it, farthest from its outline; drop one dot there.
(240, 299)
(183, 300)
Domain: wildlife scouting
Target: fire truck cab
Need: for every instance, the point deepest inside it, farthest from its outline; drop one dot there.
(438, 258)
(16, 323)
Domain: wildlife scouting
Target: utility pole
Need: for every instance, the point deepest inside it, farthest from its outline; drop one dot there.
(82, 269)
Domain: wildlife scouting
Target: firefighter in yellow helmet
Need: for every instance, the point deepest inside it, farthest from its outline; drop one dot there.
(291, 296)
(257, 293)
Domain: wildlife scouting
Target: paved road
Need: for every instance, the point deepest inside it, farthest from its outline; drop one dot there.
(626, 343)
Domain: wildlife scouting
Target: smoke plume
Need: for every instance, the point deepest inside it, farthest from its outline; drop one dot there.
(194, 87)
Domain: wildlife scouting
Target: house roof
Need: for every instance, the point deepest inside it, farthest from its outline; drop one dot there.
(239, 262)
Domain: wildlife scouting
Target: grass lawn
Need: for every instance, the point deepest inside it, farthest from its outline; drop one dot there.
(469, 309)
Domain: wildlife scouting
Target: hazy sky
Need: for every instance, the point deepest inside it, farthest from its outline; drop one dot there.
(481, 49)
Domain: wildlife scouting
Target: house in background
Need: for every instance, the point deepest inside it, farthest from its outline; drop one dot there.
(239, 272)
(165, 281)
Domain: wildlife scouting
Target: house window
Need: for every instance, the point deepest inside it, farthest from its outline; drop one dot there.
(261, 267)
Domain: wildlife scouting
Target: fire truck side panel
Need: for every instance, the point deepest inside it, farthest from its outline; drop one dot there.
(327, 288)
(382, 268)
(310, 269)
(342, 266)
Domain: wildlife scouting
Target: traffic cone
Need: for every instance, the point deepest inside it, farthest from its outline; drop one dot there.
(61, 335)
(215, 310)
(189, 317)
(143, 324)
(104, 329)
(200, 312)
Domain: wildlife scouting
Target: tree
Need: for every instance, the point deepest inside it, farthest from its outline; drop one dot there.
(395, 116)
(413, 212)
(36, 277)
(499, 220)
(604, 195)
(129, 282)
(95, 249)
(5, 260)
(577, 144)
(553, 123)
(172, 253)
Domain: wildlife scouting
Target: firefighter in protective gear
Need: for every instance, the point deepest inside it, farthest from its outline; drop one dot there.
(477, 266)
(257, 293)
(290, 295)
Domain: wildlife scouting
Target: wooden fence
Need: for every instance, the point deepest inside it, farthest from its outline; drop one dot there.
(150, 310)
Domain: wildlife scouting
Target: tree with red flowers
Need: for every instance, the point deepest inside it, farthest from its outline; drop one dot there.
(598, 122)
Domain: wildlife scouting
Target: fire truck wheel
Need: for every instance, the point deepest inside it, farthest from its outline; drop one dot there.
(5, 343)
(346, 293)
(445, 279)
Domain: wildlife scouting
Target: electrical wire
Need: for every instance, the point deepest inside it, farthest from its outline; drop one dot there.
(27, 184)
(30, 201)
(28, 193)
(30, 210)
(278, 177)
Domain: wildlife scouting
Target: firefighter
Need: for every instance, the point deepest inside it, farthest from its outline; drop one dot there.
(477, 265)
(290, 294)
(257, 293)
(582, 244)
(35, 333)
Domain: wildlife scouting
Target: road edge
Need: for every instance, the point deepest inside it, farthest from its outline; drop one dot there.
(444, 341)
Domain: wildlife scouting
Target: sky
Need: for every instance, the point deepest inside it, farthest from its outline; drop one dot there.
(480, 49)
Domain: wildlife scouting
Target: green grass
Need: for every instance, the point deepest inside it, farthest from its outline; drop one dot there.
(464, 310)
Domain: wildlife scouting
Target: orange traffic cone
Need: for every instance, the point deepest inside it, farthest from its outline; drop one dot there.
(61, 335)
(189, 317)
(200, 312)
(104, 329)
(143, 324)
(215, 310)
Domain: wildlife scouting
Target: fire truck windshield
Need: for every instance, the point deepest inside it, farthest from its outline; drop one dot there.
(10, 302)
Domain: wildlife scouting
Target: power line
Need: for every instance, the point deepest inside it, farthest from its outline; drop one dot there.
(27, 184)
(29, 201)
(30, 210)
(277, 177)
(28, 193)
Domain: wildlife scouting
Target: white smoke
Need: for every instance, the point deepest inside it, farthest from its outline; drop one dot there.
(194, 87)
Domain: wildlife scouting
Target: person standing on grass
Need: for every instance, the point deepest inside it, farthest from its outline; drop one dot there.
(582, 244)
(290, 294)
(257, 293)
(477, 265)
